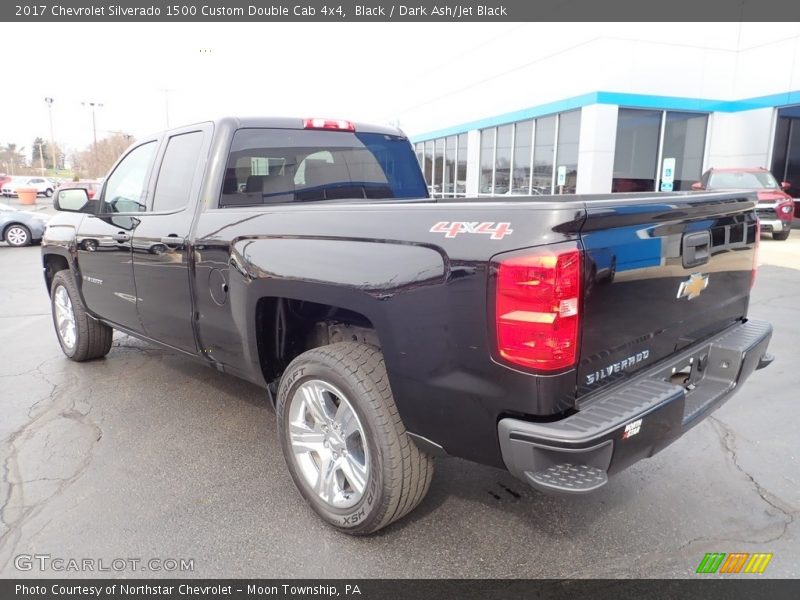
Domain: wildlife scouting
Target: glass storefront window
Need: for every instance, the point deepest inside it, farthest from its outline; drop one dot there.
(639, 140)
(636, 150)
(569, 129)
(685, 141)
(461, 168)
(543, 155)
(449, 166)
(502, 160)
(487, 161)
(521, 172)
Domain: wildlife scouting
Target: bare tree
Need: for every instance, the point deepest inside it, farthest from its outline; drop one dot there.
(109, 149)
(12, 159)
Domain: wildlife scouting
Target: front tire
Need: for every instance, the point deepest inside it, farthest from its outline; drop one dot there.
(81, 337)
(782, 236)
(48, 192)
(345, 445)
(18, 235)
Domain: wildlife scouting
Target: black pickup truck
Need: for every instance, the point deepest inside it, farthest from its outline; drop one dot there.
(562, 338)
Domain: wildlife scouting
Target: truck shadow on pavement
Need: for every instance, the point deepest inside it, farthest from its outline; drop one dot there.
(486, 490)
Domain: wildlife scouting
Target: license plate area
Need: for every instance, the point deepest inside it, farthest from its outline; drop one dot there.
(700, 379)
(689, 373)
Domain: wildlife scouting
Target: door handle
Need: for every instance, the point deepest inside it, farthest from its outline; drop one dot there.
(696, 249)
(121, 237)
(172, 240)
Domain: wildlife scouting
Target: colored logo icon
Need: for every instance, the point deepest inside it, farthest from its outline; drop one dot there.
(736, 562)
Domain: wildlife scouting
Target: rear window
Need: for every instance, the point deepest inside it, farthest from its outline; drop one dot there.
(270, 166)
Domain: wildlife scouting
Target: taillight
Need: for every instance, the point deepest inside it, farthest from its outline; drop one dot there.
(755, 254)
(537, 307)
(336, 124)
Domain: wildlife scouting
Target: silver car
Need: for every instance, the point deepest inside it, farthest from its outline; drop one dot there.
(19, 227)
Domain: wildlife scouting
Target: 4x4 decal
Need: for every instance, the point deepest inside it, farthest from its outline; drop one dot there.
(495, 231)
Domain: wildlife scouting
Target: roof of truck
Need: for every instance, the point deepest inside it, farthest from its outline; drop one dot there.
(298, 123)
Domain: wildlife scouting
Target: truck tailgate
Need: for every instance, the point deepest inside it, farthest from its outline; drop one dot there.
(661, 273)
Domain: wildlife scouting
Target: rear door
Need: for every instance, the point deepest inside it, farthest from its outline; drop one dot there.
(661, 273)
(161, 252)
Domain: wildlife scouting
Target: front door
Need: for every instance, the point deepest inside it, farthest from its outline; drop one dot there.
(161, 251)
(104, 240)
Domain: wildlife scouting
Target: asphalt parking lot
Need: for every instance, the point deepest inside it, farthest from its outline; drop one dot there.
(147, 455)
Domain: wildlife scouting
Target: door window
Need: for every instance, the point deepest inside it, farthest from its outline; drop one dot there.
(126, 186)
(177, 171)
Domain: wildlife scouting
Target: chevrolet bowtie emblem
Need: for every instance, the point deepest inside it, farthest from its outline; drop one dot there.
(692, 287)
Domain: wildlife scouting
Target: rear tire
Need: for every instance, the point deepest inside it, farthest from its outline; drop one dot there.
(393, 476)
(81, 337)
(782, 236)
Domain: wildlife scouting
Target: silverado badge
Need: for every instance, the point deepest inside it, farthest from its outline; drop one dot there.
(692, 287)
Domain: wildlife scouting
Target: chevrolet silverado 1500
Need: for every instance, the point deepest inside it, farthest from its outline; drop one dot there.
(562, 338)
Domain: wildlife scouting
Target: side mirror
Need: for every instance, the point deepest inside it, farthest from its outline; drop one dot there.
(697, 186)
(785, 185)
(72, 200)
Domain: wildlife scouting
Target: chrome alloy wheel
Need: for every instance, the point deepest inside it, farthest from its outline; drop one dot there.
(17, 236)
(328, 443)
(65, 317)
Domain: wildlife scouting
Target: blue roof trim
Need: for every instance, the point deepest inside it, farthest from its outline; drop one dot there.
(511, 117)
(620, 99)
(663, 102)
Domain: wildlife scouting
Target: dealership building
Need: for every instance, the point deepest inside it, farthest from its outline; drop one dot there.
(640, 107)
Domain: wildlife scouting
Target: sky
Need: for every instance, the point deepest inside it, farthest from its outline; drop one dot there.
(148, 76)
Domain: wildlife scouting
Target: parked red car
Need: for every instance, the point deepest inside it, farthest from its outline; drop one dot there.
(91, 187)
(775, 207)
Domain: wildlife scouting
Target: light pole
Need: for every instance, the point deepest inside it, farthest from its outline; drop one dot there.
(52, 138)
(41, 159)
(166, 103)
(93, 106)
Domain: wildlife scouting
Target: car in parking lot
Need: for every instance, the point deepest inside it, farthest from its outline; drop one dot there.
(92, 187)
(19, 227)
(775, 207)
(42, 185)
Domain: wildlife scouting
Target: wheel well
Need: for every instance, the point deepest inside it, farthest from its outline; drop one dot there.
(286, 328)
(53, 263)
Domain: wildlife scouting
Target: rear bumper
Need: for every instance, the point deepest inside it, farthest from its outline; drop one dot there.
(635, 419)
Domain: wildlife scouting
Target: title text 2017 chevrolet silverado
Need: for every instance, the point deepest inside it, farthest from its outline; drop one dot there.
(561, 338)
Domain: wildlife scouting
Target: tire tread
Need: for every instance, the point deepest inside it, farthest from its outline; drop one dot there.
(409, 470)
(94, 338)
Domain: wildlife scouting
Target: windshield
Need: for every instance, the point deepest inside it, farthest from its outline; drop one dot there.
(268, 166)
(742, 180)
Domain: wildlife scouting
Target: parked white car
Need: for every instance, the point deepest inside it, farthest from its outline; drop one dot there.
(43, 186)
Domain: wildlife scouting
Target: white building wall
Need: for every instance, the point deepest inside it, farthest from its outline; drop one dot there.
(596, 145)
(473, 162)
